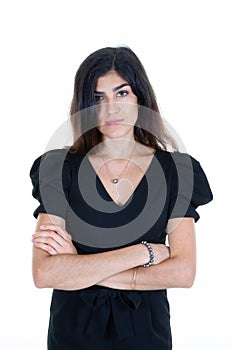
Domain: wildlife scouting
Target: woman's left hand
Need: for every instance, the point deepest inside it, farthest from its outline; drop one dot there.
(123, 279)
(54, 240)
(161, 252)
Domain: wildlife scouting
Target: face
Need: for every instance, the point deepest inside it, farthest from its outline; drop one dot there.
(117, 107)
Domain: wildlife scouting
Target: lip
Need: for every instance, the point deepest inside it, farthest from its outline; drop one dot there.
(114, 122)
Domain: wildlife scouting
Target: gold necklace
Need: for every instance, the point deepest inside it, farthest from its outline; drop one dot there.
(113, 178)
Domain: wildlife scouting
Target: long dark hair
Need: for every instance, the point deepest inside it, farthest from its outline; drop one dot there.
(149, 129)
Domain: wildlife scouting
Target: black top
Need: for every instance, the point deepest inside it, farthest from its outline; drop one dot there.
(66, 185)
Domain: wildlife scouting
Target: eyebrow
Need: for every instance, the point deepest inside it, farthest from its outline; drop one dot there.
(115, 89)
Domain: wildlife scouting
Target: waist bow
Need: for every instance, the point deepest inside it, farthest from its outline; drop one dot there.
(110, 304)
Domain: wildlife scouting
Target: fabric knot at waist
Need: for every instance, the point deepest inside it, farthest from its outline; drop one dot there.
(111, 304)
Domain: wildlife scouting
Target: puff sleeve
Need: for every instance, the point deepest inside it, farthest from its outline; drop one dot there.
(51, 178)
(190, 187)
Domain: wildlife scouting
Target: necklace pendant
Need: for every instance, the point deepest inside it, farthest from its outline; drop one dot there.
(115, 181)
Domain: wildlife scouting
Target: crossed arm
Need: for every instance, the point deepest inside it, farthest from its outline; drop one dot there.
(57, 264)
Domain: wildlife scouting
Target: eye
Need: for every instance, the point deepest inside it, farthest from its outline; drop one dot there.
(122, 93)
(98, 98)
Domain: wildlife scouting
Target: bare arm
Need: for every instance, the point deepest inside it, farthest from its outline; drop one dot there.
(177, 271)
(74, 271)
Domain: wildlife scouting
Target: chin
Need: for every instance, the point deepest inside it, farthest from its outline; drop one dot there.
(116, 132)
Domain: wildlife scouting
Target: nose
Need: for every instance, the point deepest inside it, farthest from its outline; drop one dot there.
(112, 107)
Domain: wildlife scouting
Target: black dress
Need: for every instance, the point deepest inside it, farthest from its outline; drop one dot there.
(99, 317)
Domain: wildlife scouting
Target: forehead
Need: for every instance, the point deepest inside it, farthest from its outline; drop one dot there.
(109, 80)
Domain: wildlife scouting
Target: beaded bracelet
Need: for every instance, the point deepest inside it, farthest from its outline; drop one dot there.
(151, 253)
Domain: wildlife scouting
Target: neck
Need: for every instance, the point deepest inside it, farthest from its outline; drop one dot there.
(117, 148)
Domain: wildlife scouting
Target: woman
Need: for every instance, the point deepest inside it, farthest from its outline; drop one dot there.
(107, 205)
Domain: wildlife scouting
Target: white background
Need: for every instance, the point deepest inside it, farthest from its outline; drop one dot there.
(186, 48)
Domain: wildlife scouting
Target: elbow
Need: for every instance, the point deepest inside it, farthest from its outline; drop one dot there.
(188, 277)
(185, 273)
(43, 278)
(188, 281)
(39, 278)
(39, 284)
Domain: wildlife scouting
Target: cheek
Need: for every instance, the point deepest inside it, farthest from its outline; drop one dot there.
(101, 115)
(131, 112)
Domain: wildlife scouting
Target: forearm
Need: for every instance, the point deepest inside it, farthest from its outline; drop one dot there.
(75, 271)
(171, 273)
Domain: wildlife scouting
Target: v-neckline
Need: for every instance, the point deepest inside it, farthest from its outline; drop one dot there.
(136, 188)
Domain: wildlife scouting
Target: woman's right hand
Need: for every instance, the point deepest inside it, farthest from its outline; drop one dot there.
(54, 239)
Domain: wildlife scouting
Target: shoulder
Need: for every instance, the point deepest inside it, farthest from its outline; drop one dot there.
(54, 157)
(185, 172)
(53, 165)
(178, 160)
(188, 167)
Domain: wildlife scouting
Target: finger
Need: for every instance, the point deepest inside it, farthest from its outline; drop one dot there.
(68, 248)
(57, 229)
(49, 242)
(50, 234)
(46, 248)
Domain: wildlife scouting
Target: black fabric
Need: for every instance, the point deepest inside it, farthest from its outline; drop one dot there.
(46, 179)
(105, 318)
